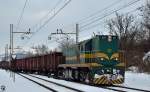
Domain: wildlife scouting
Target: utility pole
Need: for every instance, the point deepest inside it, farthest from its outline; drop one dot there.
(59, 31)
(77, 42)
(12, 38)
(10, 48)
(12, 45)
(6, 52)
(77, 33)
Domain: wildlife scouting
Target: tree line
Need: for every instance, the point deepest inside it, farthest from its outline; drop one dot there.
(134, 36)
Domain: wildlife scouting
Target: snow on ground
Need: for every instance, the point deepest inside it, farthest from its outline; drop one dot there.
(19, 85)
(137, 80)
(82, 87)
(23, 85)
(51, 85)
(132, 79)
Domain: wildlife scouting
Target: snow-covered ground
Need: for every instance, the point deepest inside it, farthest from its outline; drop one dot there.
(51, 85)
(19, 85)
(136, 80)
(132, 79)
(82, 87)
(23, 85)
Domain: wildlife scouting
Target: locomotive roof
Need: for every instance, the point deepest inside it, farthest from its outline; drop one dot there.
(85, 41)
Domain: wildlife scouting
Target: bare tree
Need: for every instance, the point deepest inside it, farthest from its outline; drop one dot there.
(29, 54)
(41, 49)
(133, 36)
(124, 27)
(67, 43)
(146, 16)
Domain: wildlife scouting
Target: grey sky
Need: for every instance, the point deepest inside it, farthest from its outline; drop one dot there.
(76, 10)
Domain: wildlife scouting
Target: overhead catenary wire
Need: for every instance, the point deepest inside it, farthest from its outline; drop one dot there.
(81, 21)
(51, 11)
(49, 19)
(118, 1)
(100, 11)
(21, 15)
(120, 8)
(97, 24)
(108, 14)
(112, 11)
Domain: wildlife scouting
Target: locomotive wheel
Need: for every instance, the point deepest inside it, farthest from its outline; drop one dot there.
(76, 75)
(60, 73)
(82, 76)
(87, 81)
(66, 74)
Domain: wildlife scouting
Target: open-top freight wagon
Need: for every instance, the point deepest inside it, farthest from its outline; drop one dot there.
(45, 64)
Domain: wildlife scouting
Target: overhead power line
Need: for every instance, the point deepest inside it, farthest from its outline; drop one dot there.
(51, 11)
(100, 18)
(56, 12)
(122, 7)
(50, 18)
(101, 23)
(21, 15)
(100, 11)
(94, 14)
(126, 5)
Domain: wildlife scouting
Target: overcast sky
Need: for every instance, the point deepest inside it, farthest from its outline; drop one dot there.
(77, 11)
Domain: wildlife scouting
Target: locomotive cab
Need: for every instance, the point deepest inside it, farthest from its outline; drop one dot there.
(107, 55)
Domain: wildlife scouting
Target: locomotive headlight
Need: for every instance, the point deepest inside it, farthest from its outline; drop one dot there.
(102, 59)
(108, 70)
(102, 71)
(116, 58)
(114, 71)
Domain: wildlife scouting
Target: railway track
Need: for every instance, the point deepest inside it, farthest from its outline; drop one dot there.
(116, 88)
(131, 88)
(81, 83)
(121, 88)
(45, 86)
(48, 88)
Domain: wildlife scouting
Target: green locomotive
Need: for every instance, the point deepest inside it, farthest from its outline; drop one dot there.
(96, 61)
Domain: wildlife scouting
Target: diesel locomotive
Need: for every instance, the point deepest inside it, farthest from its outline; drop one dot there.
(96, 61)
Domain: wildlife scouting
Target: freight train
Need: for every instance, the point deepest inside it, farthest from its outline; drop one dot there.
(94, 61)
